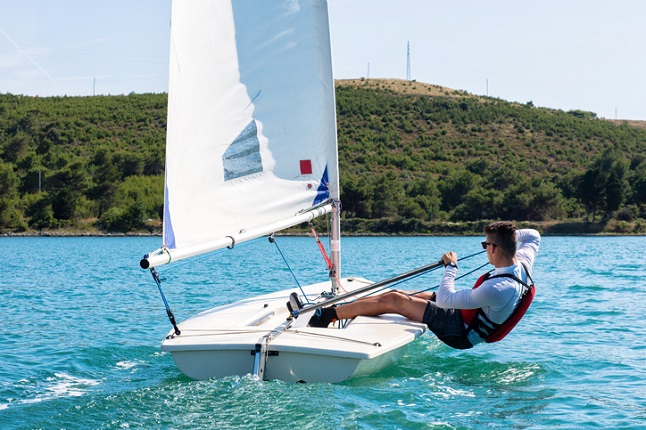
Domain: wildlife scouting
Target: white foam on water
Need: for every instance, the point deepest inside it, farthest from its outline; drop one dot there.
(515, 375)
(126, 364)
(58, 386)
(68, 385)
(132, 366)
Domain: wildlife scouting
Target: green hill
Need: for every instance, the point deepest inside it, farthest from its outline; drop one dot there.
(420, 152)
(415, 158)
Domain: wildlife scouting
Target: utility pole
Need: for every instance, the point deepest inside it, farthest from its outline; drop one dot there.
(408, 61)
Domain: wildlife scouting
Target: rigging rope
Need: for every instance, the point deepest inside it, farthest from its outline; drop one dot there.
(169, 312)
(272, 239)
(330, 266)
(328, 262)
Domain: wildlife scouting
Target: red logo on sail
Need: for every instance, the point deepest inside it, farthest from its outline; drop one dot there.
(306, 167)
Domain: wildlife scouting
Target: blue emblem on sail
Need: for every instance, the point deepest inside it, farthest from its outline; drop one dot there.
(242, 157)
(322, 192)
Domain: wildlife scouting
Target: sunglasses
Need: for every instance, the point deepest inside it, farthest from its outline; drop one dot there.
(485, 244)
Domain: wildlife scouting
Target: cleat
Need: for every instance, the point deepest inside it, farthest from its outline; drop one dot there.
(295, 302)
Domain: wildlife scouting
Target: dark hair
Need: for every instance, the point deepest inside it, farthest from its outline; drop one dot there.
(503, 234)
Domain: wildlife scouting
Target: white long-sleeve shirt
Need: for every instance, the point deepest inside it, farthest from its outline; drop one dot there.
(497, 297)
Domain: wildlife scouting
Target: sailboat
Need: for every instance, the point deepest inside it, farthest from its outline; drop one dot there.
(251, 150)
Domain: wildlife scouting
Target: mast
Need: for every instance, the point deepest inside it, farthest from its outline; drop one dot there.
(335, 245)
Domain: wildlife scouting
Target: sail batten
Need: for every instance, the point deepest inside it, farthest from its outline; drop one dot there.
(251, 134)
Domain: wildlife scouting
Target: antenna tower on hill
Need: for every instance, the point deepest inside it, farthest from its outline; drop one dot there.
(408, 61)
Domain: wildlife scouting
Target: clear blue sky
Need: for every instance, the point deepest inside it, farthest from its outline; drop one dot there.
(564, 54)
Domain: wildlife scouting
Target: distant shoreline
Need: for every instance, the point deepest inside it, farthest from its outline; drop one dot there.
(431, 229)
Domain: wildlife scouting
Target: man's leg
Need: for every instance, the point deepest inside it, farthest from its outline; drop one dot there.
(394, 302)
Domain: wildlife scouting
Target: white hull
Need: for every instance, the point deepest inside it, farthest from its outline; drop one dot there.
(222, 341)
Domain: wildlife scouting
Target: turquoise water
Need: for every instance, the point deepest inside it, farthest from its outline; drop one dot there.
(81, 326)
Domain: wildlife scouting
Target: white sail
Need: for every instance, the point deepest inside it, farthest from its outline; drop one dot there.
(251, 137)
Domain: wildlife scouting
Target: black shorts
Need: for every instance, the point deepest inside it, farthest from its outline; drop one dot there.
(448, 326)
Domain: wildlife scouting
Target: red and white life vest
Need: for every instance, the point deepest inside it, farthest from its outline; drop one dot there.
(490, 331)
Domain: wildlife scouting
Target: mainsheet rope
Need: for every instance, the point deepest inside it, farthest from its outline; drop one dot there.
(436, 286)
(342, 324)
(330, 267)
(459, 277)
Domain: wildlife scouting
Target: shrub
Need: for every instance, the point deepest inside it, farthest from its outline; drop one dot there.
(118, 219)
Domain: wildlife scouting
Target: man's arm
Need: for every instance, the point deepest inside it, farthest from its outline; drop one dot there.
(529, 240)
(448, 298)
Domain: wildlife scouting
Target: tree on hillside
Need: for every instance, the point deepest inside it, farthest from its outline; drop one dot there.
(602, 186)
(479, 203)
(533, 200)
(9, 215)
(387, 195)
(455, 185)
(638, 184)
(66, 187)
(424, 199)
(106, 179)
(615, 192)
(356, 197)
(16, 147)
(590, 191)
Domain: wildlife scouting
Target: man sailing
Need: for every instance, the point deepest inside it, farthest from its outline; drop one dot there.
(463, 318)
